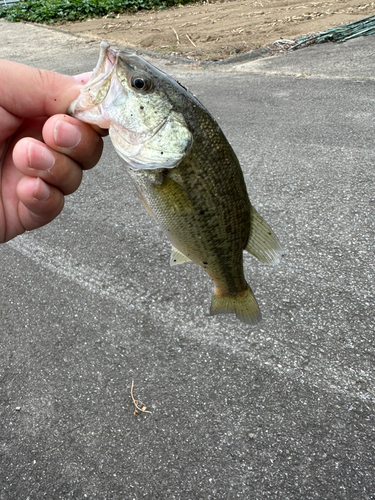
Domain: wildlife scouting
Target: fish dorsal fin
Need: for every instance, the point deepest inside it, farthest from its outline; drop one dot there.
(177, 257)
(262, 243)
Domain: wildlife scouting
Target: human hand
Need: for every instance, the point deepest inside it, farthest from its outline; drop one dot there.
(42, 150)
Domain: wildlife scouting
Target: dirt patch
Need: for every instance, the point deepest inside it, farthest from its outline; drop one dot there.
(216, 30)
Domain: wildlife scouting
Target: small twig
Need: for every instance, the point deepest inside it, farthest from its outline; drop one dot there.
(190, 40)
(139, 406)
(175, 32)
(188, 24)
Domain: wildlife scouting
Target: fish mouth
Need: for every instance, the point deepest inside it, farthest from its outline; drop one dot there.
(100, 78)
(105, 65)
(101, 87)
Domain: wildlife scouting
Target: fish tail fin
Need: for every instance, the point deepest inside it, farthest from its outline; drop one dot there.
(243, 305)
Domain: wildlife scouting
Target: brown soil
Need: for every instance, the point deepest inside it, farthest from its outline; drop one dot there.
(217, 29)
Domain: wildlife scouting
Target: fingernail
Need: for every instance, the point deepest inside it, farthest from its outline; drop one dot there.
(41, 191)
(40, 157)
(66, 135)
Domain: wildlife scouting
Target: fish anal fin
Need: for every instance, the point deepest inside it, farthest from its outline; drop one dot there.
(177, 257)
(243, 305)
(262, 243)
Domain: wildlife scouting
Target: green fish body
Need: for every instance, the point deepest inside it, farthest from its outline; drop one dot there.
(184, 170)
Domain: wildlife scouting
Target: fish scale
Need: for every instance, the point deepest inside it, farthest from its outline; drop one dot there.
(185, 172)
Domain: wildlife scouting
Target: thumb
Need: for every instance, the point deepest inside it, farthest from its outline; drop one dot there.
(28, 92)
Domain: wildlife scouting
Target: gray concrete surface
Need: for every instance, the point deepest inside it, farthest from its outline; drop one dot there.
(353, 59)
(284, 410)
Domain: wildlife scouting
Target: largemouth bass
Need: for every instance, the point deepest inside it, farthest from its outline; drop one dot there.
(185, 171)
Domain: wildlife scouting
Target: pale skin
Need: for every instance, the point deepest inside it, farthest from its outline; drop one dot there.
(42, 150)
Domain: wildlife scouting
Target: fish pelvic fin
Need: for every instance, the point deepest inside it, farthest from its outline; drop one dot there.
(262, 243)
(243, 305)
(177, 257)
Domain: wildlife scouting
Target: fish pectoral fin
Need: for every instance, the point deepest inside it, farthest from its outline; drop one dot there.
(174, 197)
(262, 243)
(144, 201)
(243, 305)
(178, 257)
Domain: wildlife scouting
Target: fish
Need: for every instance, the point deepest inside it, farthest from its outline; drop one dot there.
(185, 171)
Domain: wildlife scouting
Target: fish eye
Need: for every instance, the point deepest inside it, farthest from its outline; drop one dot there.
(141, 83)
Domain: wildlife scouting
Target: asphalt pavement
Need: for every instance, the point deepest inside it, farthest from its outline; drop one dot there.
(284, 410)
